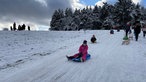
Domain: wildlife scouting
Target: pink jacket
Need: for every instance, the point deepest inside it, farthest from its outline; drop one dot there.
(84, 50)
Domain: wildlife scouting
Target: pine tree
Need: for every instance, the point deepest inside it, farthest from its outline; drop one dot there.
(105, 17)
(123, 8)
(77, 12)
(14, 26)
(55, 22)
(68, 12)
(96, 10)
(28, 28)
(104, 12)
(19, 27)
(11, 28)
(23, 27)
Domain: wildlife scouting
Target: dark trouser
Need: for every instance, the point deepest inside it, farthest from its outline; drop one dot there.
(127, 33)
(71, 57)
(93, 40)
(78, 56)
(144, 33)
(136, 36)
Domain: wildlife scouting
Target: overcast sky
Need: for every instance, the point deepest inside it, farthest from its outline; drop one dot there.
(37, 13)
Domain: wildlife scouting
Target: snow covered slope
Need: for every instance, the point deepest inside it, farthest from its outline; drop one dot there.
(40, 57)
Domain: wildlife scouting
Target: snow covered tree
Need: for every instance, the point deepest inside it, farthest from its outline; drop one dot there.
(23, 27)
(55, 22)
(138, 15)
(122, 11)
(68, 12)
(96, 10)
(143, 12)
(77, 12)
(76, 19)
(100, 17)
(104, 12)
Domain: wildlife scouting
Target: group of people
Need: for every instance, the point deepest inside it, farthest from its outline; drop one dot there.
(137, 29)
(83, 50)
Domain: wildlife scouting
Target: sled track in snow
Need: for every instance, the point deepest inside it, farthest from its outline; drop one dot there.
(110, 62)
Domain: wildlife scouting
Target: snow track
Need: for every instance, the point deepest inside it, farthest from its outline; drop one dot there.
(110, 62)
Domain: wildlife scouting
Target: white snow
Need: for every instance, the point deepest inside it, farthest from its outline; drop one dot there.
(32, 56)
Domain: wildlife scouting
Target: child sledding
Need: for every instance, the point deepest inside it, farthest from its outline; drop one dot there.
(93, 39)
(111, 31)
(83, 55)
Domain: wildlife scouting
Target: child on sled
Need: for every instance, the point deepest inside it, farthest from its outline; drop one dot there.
(83, 51)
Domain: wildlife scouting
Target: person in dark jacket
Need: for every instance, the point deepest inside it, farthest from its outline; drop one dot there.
(137, 29)
(127, 28)
(93, 39)
(111, 31)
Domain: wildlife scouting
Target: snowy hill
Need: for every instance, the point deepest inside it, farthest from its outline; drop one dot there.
(40, 57)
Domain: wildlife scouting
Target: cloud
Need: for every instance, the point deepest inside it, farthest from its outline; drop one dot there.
(100, 2)
(22, 10)
(32, 12)
(77, 4)
(35, 13)
(137, 1)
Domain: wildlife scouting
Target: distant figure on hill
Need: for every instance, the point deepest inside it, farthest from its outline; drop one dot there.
(11, 28)
(14, 26)
(127, 28)
(29, 28)
(93, 39)
(137, 29)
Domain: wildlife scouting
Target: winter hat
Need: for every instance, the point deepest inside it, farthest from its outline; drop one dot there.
(85, 42)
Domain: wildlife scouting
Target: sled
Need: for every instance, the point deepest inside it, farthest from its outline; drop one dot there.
(80, 59)
(126, 42)
(93, 42)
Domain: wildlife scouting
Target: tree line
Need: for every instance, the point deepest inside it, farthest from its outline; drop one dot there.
(20, 27)
(107, 16)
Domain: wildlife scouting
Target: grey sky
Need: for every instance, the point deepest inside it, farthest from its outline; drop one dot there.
(35, 11)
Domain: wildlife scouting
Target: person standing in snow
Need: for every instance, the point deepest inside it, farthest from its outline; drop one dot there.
(127, 28)
(144, 30)
(137, 29)
(93, 39)
(83, 50)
